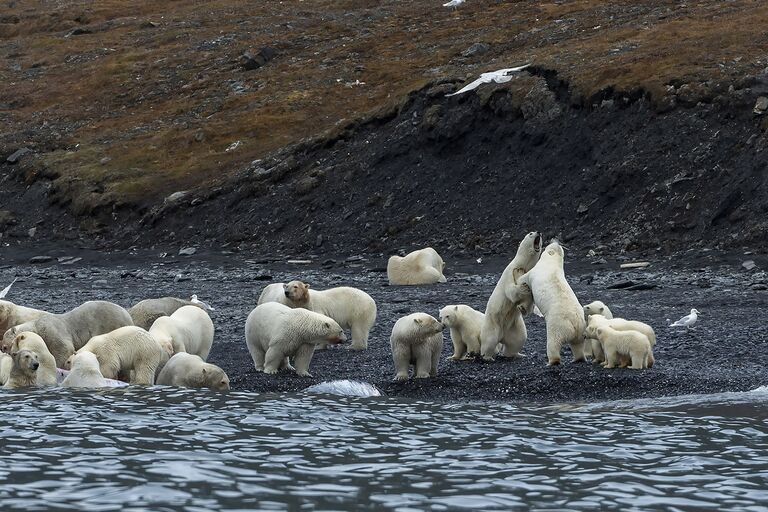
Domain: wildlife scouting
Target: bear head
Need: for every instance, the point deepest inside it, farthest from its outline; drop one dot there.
(594, 308)
(83, 360)
(296, 291)
(332, 332)
(520, 295)
(26, 360)
(8, 337)
(531, 244)
(214, 378)
(427, 324)
(449, 315)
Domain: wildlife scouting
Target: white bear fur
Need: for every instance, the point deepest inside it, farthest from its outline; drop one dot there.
(6, 363)
(128, 353)
(46, 372)
(12, 314)
(85, 372)
(351, 308)
(503, 321)
(274, 333)
(632, 344)
(189, 329)
(67, 332)
(591, 345)
(191, 371)
(145, 313)
(620, 324)
(423, 266)
(465, 324)
(417, 339)
(554, 297)
(23, 372)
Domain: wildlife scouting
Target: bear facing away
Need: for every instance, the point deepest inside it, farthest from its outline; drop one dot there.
(191, 371)
(503, 321)
(23, 372)
(188, 329)
(129, 353)
(46, 372)
(632, 344)
(423, 266)
(416, 340)
(554, 297)
(65, 333)
(274, 333)
(85, 372)
(465, 324)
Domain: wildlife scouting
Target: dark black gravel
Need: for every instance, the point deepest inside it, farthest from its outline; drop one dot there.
(724, 352)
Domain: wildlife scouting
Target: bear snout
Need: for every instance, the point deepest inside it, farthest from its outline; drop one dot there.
(287, 294)
(35, 365)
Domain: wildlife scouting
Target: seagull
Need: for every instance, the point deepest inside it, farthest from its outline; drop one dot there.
(500, 76)
(7, 289)
(453, 3)
(687, 320)
(204, 305)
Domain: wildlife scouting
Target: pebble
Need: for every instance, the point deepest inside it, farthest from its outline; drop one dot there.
(187, 251)
(40, 259)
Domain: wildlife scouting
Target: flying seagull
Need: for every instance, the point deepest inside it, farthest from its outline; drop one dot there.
(687, 320)
(204, 305)
(7, 289)
(500, 76)
(453, 3)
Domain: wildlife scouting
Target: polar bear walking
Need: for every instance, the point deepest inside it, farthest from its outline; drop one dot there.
(562, 311)
(503, 321)
(274, 333)
(424, 266)
(465, 324)
(352, 309)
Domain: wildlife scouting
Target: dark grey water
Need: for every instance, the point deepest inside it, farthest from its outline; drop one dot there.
(137, 449)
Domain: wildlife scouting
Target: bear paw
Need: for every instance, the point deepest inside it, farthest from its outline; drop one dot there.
(400, 377)
(304, 374)
(270, 371)
(422, 375)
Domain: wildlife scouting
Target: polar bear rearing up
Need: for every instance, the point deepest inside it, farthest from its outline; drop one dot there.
(503, 319)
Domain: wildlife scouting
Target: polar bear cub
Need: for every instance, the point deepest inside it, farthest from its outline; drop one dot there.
(620, 324)
(465, 324)
(503, 321)
(191, 371)
(188, 329)
(351, 308)
(85, 372)
(632, 344)
(274, 333)
(46, 372)
(128, 353)
(417, 339)
(562, 311)
(591, 345)
(23, 372)
(423, 266)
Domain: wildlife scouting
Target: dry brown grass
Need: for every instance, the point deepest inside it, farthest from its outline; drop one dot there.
(146, 111)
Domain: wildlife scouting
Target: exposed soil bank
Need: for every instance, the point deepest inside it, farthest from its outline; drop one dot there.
(724, 352)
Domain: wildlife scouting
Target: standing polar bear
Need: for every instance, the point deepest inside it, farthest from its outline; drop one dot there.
(417, 339)
(190, 371)
(351, 308)
(128, 353)
(423, 266)
(85, 372)
(465, 324)
(503, 321)
(617, 344)
(591, 345)
(65, 333)
(189, 329)
(46, 372)
(620, 324)
(562, 311)
(12, 314)
(274, 333)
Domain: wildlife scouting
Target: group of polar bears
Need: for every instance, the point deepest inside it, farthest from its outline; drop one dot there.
(164, 341)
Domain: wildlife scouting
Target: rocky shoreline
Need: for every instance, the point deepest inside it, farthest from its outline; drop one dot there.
(724, 352)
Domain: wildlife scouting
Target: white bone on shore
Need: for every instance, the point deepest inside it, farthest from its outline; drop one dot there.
(687, 320)
(453, 3)
(204, 305)
(500, 76)
(7, 289)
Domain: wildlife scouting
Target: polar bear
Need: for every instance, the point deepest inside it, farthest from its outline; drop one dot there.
(504, 312)
(189, 329)
(85, 372)
(632, 344)
(465, 324)
(12, 314)
(191, 371)
(562, 311)
(6, 363)
(127, 353)
(620, 324)
(67, 332)
(423, 266)
(592, 347)
(351, 308)
(145, 313)
(46, 372)
(274, 333)
(417, 339)
(23, 372)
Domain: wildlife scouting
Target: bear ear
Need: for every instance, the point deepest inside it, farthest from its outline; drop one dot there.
(306, 286)
(455, 308)
(601, 309)
(417, 320)
(599, 331)
(204, 371)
